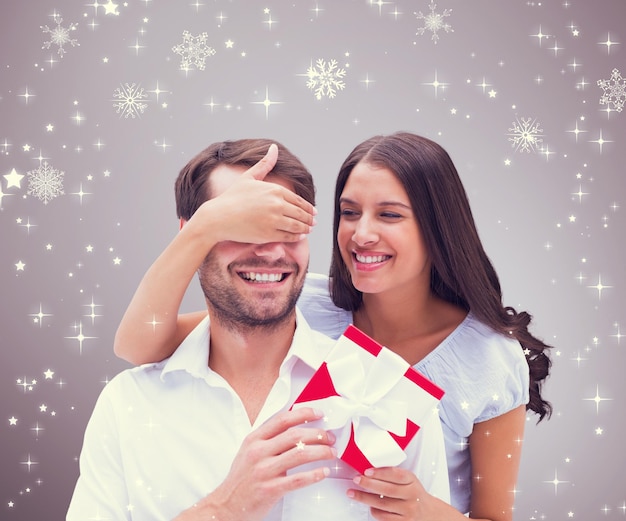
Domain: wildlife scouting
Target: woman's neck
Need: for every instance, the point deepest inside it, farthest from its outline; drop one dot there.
(410, 326)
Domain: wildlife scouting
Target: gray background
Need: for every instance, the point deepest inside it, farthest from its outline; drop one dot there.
(552, 217)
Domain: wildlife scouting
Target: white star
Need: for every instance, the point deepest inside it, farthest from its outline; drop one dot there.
(27, 95)
(367, 81)
(269, 21)
(80, 193)
(80, 337)
(599, 286)
(436, 84)
(597, 399)
(556, 482)
(576, 131)
(608, 43)
(484, 85)
(39, 316)
(2, 194)
(267, 103)
(154, 322)
(110, 8)
(28, 463)
(580, 194)
(600, 141)
(540, 36)
(14, 179)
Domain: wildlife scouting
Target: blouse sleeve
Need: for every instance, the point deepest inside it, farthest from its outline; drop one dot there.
(511, 374)
(483, 373)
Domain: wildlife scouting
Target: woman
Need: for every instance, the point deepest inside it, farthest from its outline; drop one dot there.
(408, 269)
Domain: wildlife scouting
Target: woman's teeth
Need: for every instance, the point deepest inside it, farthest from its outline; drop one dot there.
(369, 259)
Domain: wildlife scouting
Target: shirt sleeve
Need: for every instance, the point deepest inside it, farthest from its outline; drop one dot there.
(100, 491)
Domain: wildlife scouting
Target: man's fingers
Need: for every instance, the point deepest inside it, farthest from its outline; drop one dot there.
(287, 419)
(264, 167)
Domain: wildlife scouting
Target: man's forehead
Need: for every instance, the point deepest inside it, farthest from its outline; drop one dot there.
(224, 176)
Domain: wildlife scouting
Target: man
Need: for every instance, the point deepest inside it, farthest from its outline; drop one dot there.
(207, 434)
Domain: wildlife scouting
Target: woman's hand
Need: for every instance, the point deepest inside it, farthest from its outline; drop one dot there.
(254, 211)
(394, 493)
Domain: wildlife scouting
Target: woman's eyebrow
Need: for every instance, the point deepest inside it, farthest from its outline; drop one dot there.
(347, 200)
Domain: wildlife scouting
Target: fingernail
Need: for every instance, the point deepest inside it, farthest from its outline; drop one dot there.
(369, 472)
(333, 451)
(331, 437)
(350, 493)
(357, 480)
(326, 471)
(318, 413)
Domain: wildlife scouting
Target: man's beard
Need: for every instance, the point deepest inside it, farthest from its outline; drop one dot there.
(238, 313)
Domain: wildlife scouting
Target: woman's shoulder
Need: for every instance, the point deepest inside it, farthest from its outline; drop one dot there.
(474, 342)
(484, 373)
(318, 308)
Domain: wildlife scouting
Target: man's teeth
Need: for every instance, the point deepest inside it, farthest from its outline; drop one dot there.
(369, 259)
(263, 277)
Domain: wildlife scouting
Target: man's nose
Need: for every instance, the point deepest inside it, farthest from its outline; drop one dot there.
(270, 250)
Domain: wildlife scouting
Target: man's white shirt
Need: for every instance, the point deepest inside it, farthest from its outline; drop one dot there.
(164, 435)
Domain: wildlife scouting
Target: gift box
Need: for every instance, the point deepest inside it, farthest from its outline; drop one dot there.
(372, 399)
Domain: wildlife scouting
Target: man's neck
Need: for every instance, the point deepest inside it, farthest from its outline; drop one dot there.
(249, 359)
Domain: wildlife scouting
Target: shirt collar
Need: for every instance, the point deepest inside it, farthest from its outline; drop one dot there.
(308, 345)
(192, 355)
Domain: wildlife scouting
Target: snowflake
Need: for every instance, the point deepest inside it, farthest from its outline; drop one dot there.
(434, 22)
(325, 79)
(525, 134)
(128, 100)
(614, 91)
(45, 183)
(59, 35)
(193, 50)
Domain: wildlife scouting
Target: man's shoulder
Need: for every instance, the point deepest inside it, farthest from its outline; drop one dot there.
(133, 376)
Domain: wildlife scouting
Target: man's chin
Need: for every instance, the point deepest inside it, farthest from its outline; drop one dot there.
(262, 320)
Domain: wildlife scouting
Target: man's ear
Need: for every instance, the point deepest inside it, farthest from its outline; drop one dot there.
(182, 223)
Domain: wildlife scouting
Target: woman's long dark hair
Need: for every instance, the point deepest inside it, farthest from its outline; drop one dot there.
(461, 272)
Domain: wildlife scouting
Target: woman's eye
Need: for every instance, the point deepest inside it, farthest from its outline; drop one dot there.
(346, 212)
(390, 215)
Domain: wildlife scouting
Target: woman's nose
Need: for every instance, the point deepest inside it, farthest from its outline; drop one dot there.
(364, 232)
